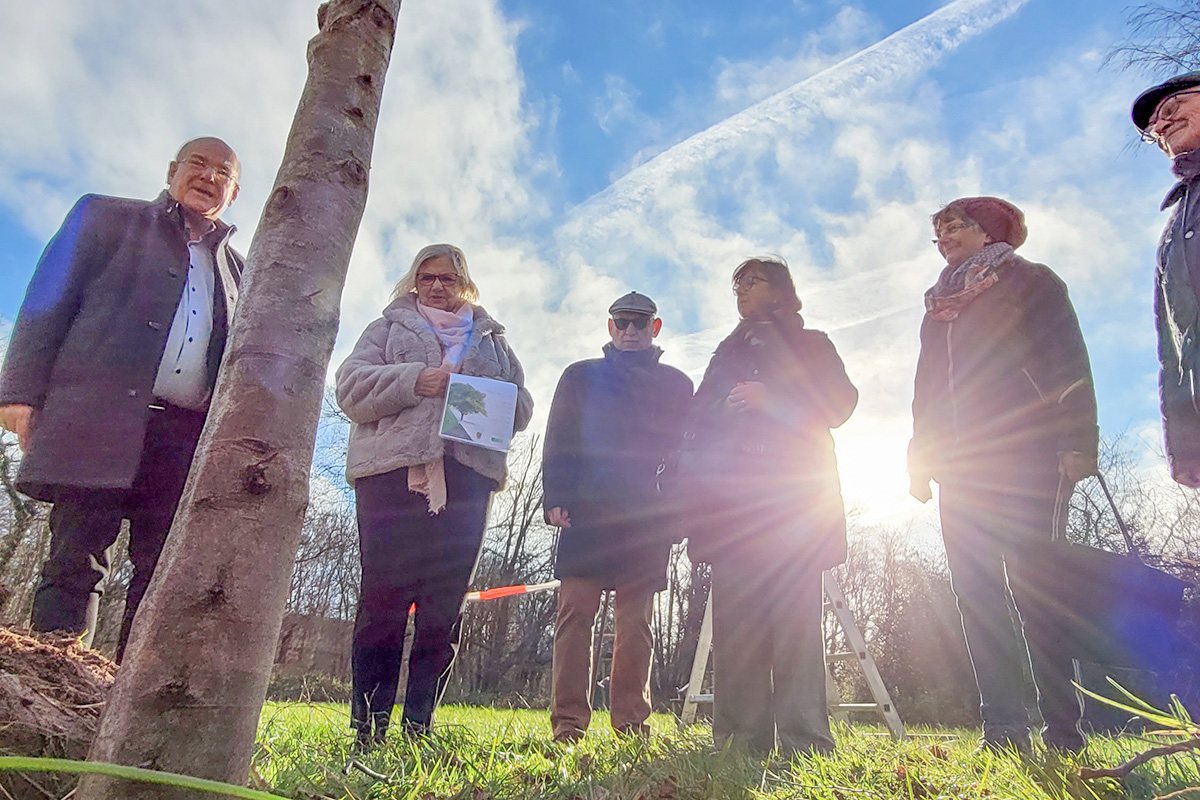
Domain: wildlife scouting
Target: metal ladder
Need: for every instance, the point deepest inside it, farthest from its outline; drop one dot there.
(835, 602)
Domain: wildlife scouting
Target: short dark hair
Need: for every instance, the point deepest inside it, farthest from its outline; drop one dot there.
(779, 278)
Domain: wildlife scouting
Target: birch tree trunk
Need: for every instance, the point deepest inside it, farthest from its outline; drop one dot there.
(189, 694)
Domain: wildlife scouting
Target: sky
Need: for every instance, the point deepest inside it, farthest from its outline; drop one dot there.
(576, 151)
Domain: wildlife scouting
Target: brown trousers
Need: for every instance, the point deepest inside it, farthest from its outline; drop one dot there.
(629, 688)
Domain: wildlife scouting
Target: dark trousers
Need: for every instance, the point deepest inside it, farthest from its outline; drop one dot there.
(411, 556)
(84, 523)
(988, 533)
(768, 658)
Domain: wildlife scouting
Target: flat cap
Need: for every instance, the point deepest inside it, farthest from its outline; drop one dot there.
(634, 303)
(1148, 100)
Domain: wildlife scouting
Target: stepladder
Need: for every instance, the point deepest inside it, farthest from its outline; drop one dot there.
(857, 653)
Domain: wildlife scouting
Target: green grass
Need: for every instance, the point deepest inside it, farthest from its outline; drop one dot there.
(483, 753)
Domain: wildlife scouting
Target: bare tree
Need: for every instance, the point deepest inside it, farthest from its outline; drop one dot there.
(1164, 39)
(189, 695)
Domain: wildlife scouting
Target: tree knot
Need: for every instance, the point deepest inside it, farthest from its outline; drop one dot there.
(254, 476)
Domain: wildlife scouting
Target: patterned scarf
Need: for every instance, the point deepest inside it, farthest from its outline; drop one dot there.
(958, 286)
(453, 329)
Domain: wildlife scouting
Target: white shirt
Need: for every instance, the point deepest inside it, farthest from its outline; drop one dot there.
(183, 372)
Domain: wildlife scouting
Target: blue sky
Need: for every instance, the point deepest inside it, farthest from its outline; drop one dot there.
(576, 151)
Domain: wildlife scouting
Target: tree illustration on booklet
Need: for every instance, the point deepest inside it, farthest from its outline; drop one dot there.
(464, 399)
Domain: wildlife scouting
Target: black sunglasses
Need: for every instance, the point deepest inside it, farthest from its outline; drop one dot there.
(639, 322)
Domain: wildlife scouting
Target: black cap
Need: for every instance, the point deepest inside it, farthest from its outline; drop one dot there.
(634, 303)
(1148, 100)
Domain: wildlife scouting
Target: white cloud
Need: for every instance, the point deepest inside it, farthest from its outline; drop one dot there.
(838, 171)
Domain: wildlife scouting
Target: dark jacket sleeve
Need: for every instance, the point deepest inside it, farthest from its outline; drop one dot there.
(1181, 420)
(1059, 364)
(51, 303)
(561, 445)
(820, 393)
(924, 443)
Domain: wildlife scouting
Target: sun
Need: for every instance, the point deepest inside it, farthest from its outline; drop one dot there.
(871, 458)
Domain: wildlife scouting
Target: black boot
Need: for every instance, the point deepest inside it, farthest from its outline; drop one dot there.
(362, 735)
(381, 719)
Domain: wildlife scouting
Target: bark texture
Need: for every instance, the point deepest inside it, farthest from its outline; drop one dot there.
(188, 696)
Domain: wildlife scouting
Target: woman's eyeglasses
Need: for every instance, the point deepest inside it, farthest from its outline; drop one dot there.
(448, 280)
(942, 233)
(747, 283)
(639, 322)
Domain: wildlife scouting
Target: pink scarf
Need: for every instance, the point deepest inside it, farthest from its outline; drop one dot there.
(453, 329)
(958, 286)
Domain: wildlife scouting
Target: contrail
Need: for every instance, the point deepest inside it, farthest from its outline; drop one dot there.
(907, 53)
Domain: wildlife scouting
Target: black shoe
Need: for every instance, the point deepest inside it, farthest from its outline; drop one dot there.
(1006, 745)
(381, 720)
(363, 742)
(1069, 743)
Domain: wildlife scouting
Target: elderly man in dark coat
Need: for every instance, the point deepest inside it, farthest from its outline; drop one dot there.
(110, 369)
(612, 422)
(1169, 115)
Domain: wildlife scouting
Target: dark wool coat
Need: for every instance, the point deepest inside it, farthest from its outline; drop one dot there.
(772, 497)
(612, 422)
(1177, 313)
(90, 335)
(1004, 387)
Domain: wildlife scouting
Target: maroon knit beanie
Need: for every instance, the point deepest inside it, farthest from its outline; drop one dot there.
(999, 219)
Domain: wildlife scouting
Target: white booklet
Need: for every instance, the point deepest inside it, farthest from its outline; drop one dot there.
(479, 411)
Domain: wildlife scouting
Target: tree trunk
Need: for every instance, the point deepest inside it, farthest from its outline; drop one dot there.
(190, 691)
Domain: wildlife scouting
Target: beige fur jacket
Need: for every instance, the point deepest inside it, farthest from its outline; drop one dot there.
(392, 426)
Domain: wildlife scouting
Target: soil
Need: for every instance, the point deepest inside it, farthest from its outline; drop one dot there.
(52, 689)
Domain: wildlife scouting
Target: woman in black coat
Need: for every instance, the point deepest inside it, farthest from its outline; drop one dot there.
(1004, 419)
(768, 512)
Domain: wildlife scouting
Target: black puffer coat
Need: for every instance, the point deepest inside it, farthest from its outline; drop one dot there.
(774, 494)
(612, 422)
(1005, 386)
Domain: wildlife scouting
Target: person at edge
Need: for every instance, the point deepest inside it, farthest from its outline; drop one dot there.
(612, 422)
(765, 511)
(421, 500)
(109, 373)
(1004, 419)
(1169, 115)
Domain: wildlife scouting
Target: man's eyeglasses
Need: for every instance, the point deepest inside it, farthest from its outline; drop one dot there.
(1167, 109)
(427, 278)
(219, 171)
(639, 322)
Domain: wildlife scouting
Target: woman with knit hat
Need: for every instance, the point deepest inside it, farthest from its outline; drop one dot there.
(1004, 419)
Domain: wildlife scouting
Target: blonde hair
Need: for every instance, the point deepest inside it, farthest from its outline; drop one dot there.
(408, 284)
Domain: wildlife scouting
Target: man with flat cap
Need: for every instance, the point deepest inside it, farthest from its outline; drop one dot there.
(1169, 115)
(612, 422)
(108, 375)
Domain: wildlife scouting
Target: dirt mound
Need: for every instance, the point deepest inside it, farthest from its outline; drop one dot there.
(52, 690)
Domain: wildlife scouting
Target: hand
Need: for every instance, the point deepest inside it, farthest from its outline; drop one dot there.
(748, 396)
(1186, 474)
(18, 419)
(920, 489)
(1075, 466)
(558, 517)
(432, 382)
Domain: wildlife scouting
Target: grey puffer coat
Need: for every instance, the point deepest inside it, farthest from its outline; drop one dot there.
(392, 426)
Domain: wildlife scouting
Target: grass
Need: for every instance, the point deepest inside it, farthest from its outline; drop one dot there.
(494, 754)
